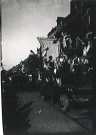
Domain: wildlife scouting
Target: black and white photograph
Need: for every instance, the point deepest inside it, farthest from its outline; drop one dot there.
(48, 63)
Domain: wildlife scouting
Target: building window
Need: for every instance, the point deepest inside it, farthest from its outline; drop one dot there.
(89, 19)
(75, 6)
(86, 20)
(61, 23)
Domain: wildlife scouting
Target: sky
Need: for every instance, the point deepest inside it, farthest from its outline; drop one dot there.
(25, 20)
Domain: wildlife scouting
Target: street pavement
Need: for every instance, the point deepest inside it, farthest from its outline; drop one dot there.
(47, 118)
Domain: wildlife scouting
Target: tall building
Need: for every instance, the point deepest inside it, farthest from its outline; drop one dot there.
(78, 24)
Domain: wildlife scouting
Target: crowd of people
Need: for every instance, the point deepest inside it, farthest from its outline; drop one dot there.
(75, 70)
(64, 70)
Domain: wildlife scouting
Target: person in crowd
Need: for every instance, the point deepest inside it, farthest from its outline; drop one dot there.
(66, 41)
(87, 49)
(45, 69)
(51, 64)
(77, 66)
(30, 78)
(45, 64)
(51, 67)
(84, 70)
(30, 61)
(65, 72)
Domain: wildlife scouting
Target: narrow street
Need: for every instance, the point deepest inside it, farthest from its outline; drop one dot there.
(47, 118)
(48, 76)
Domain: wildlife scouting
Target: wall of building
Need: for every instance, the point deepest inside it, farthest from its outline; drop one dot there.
(78, 23)
(53, 48)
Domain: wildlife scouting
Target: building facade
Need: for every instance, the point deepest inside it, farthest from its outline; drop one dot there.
(76, 34)
(49, 47)
(79, 22)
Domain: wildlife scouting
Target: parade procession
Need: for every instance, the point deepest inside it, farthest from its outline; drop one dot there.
(62, 71)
